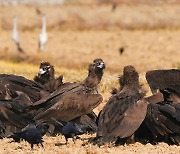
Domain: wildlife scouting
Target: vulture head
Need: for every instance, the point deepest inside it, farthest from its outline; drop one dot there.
(46, 70)
(99, 66)
(130, 76)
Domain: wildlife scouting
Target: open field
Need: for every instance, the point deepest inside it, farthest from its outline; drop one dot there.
(150, 35)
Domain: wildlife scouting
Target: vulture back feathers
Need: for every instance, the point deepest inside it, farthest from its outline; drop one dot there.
(162, 79)
(14, 83)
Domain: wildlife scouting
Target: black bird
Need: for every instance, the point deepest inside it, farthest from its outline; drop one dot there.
(71, 130)
(124, 111)
(46, 77)
(18, 136)
(31, 134)
(43, 128)
(74, 99)
(122, 50)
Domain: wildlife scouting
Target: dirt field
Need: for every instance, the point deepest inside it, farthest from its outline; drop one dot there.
(74, 40)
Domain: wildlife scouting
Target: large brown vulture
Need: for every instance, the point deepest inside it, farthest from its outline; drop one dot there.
(128, 113)
(72, 100)
(46, 77)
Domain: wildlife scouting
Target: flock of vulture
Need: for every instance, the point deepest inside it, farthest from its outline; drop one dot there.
(31, 108)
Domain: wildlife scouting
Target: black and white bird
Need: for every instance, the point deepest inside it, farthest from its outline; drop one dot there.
(15, 35)
(43, 35)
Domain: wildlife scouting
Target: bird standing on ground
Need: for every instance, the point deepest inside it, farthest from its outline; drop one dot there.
(71, 130)
(15, 35)
(124, 111)
(31, 134)
(75, 99)
(43, 35)
(21, 135)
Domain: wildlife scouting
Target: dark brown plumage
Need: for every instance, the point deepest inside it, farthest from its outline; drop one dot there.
(164, 79)
(88, 120)
(163, 120)
(116, 119)
(14, 83)
(46, 77)
(4, 93)
(12, 112)
(128, 112)
(74, 99)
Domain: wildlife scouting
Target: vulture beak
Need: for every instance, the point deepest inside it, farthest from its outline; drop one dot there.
(102, 65)
(41, 71)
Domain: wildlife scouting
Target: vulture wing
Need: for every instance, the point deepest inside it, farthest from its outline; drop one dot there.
(18, 83)
(163, 119)
(9, 117)
(162, 79)
(71, 104)
(121, 116)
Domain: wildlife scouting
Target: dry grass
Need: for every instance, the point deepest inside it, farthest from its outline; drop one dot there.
(61, 17)
(55, 145)
(71, 49)
(145, 50)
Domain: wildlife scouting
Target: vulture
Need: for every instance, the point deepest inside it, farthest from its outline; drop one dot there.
(74, 99)
(12, 113)
(124, 111)
(129, 116)
(18, 93)
(46, 77)
(13, 83)
(165, 79)
(44, 84)
(162, 122)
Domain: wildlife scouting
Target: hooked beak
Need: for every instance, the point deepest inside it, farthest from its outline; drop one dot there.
(102, 65)
(41, 71)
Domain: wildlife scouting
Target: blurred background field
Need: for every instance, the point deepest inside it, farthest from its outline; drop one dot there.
(80, 31)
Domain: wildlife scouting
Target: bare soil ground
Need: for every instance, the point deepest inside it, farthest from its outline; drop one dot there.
(75, 38)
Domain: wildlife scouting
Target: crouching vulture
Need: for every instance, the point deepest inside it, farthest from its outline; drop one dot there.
(72, 100)
(127, 111)
(16, 91)
(46, 77)
(13, 83)
(44, 84)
